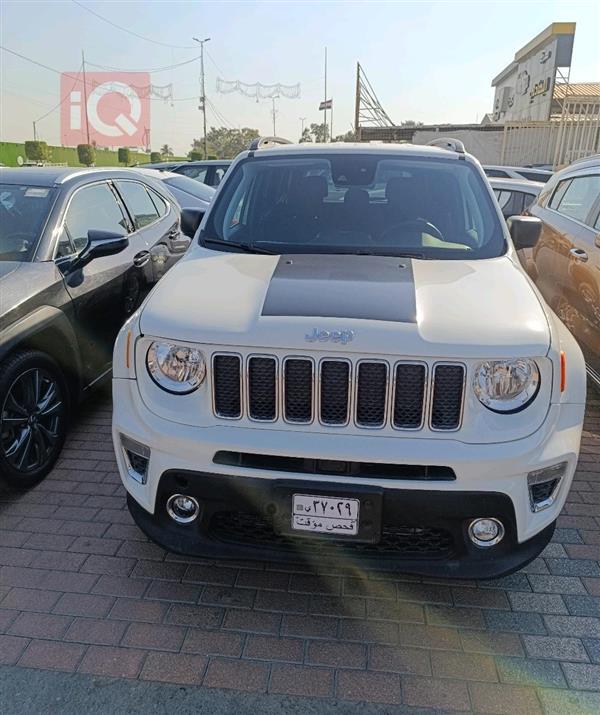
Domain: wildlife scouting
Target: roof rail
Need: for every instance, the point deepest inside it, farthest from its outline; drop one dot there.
(592, 157)
(266, 142)
(448, 143)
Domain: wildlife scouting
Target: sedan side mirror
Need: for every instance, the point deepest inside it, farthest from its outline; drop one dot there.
(524, 230)
(191, 218)
(100, 243)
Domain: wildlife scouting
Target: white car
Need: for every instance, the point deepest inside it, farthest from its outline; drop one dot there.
(515, 196)
(373, 380)
(518, 172)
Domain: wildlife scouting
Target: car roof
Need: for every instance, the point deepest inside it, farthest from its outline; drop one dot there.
(516, 184)
(373, 148)
(58, 175)
(585, 163)
(155, 173)
(518, 168)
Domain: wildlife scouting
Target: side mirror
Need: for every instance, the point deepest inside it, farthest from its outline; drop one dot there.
(524, 230)
(100, 243)
(191, 218)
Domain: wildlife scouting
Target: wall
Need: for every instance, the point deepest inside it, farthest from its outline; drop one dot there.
(9, 151)
(485, 145)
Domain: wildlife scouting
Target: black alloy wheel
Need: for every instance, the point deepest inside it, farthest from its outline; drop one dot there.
(33, 416)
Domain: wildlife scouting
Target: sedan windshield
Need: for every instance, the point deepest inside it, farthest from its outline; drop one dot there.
(357, 203)
(23, 213)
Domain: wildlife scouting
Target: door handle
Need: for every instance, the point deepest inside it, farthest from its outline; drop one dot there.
(579, 254)
(140, 259)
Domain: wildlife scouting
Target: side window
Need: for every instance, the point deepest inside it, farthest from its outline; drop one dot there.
(138, 202)
(503, 197)
(559, 192)
(93, 207)
(528, 201)
(219, 174)
(579, 197)
(496, 173)
(159, 202)
(194, 172)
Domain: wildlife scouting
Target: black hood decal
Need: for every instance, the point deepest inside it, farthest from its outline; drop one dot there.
(342, 286)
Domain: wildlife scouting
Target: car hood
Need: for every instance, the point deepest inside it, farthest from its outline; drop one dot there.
(347, 303)
(8, 267)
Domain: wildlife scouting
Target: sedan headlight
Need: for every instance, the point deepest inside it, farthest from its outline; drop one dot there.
(176, 368)
(506, 385)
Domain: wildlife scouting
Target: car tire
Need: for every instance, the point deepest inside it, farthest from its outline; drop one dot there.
(34, 402)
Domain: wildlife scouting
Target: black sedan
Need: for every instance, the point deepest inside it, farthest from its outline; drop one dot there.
(186, 191)
(79, 250)
(209, 172)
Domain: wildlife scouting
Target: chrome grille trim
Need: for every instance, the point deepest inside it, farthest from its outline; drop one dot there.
(351, 416)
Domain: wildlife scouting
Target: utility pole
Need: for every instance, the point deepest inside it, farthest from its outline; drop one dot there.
(87, 123)
(274, 114)
(325, 100)
(34, 133)
(203, 97)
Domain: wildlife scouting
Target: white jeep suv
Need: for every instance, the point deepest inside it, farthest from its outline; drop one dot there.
(349, 363)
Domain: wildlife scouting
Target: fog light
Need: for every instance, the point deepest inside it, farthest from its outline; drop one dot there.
(182, 508)
(136, 456)
(543, 485)
(486, 532)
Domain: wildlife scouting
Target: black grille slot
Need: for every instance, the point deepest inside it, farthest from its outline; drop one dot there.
(447, 396)
(262, 388)
(544, 490)
(371, 394)
(227, 385)
(298, 390)
(409, 396)
(335, 392)
(396, 540)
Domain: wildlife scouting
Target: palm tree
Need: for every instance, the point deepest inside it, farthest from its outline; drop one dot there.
(166, 150)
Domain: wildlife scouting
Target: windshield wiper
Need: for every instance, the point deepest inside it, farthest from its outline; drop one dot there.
(246, 247)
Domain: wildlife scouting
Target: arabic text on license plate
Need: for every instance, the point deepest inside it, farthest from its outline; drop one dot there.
(325, 515)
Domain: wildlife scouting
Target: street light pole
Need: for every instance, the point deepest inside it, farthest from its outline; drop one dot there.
(203, 97)
(302, 120)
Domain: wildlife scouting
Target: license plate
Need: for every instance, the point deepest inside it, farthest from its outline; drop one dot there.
(325, 515)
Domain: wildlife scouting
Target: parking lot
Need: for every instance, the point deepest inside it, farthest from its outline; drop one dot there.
(82, 591)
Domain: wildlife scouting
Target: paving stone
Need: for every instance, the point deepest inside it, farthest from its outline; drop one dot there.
(11, 649)
(110, 661)
(573, 567)
(499, 699)
(537, 602)
(464, 666)
(177, 668)
(300, 680)
(454, 617)
(577, 626)
(289, 650)
(433, 693)
(592, 646)
(516, 622)
(40, 625)
(372, 687)
(491, 642)
(526, 671)
(96, 631)
(237, 674)
(311, 626)
(411, 661)
(153, 636)
(555, 648)
(482, 598)
(569, 702)
(28, 599)
(582, 676)
(204, 642)
(556, 584)
(84, 604)
(368, 631)
(583, 605)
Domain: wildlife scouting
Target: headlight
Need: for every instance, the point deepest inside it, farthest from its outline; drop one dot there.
(506, 385)
(176, 368)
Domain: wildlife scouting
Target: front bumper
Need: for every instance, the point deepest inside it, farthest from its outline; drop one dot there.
(498, 471)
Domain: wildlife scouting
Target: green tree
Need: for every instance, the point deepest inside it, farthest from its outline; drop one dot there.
(86, 154)
(196, 155)
(124, 155)
(155, 156)
(226, 143)
(306, 137)
(37, 151)
(349, 136)
(320, 132)
(166, 150)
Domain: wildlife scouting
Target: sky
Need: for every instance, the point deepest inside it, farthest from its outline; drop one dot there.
(427, 61)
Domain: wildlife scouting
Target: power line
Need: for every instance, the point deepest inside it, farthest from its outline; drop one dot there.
(150, 69)
(130, 32)
(63, 100)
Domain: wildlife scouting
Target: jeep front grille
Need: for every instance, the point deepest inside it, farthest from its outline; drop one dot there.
(372, 394)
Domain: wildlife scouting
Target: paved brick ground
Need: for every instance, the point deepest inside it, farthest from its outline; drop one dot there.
(81, 589)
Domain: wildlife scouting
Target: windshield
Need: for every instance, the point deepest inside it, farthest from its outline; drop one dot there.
(358, 203)
(23, 213)
(190, 186)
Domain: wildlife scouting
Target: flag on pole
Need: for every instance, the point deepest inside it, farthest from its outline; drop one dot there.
(327, 104)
